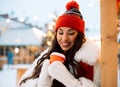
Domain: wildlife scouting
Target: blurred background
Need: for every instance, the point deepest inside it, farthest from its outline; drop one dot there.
(27, 27)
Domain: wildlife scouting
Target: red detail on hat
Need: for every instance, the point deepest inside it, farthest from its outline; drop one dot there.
(72, 4)
(70, 20)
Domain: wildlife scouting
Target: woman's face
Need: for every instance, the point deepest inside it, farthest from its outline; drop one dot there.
(66, 37)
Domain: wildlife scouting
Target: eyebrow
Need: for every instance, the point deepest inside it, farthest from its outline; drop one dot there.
(60, 29)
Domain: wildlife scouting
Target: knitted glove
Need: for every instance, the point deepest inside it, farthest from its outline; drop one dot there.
(59, 72)
(55, 56)
(44, 79)
(86, 82)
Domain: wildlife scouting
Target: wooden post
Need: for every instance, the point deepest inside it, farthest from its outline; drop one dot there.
(109, 59)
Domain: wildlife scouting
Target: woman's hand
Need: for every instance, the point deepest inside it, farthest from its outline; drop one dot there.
(58, 71)
(44, 79)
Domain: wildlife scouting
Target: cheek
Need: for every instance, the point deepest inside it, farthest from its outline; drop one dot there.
(73, 38)
(58, 38)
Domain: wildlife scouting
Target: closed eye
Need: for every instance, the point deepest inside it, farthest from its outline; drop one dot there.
(71, 33)
(61, 33)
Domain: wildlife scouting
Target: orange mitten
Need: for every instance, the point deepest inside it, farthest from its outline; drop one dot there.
(55, 56)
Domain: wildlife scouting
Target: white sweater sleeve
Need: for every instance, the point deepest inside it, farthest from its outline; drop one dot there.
(29, 73)
(44, 79)
(59, 72)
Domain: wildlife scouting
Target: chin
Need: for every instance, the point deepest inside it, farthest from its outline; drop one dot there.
(65, 49)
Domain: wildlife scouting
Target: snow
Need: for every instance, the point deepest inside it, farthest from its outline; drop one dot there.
(8, 78)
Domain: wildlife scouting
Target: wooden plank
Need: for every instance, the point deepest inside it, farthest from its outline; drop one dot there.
(109, 60)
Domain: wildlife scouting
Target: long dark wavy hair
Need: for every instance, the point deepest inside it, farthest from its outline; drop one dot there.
(69, 63)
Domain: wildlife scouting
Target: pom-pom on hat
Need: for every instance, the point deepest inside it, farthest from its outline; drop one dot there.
(71, 18)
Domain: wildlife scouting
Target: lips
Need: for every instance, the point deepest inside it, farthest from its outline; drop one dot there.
(65, 44)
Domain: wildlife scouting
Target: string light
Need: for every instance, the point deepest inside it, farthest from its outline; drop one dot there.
(8, 20)
(21, 19)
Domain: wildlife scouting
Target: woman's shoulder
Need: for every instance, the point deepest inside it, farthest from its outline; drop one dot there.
(88, 53)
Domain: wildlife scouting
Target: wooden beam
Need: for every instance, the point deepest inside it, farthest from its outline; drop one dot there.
(109, 59)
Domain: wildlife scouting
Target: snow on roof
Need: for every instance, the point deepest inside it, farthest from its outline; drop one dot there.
(20, 37)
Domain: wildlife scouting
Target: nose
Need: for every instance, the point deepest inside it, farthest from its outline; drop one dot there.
(65, 37)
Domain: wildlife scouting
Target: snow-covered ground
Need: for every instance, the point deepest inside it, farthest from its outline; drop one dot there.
(8, 77)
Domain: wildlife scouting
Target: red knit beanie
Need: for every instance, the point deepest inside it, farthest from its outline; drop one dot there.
(71, 18)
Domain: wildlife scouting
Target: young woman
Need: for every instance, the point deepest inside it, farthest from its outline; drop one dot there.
(79, 67)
